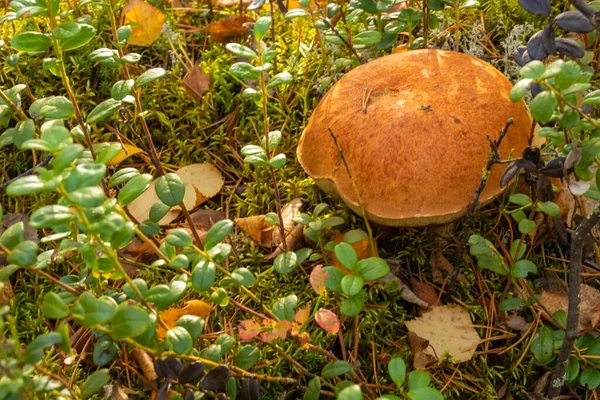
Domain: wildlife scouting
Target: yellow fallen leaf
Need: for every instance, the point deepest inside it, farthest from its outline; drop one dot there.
(202, 181)
(449, 331)
(146, 22)
(170, 316)
(128, 151)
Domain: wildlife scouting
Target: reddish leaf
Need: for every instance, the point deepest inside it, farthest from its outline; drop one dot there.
(302, 314)
(304, 338)
(249, 329)
(327, 320)
(317, 279)
(279, 331)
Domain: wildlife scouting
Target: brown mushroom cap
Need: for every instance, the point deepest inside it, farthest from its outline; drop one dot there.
(418, 152)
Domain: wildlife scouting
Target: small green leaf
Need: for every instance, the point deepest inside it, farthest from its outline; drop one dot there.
(285, 262)
(548, 208)
(149, 76)
(425, 393)
(397, 370)
(533, 70)
(31, 42)
(35, 351)
(217, 233)
(94, 382)
(122, 89)
(285, 307)
(244, 70)
(334, 278)
(103, 111)
(367, 38)
(179, 340)
(261, 26)
(134, 188)
(346, 255)
(122, 176)
(243, 276)
(590, 377)
(79, 39)
(520, 199)
(53, 306)
(282, 78)
(220, 297)
(51, 216)
(129, 321)
(352, 284)
(170, 189)
(418, 379)
(296, 13)
(518, 90)
(543, 105)
(526, 226)
(203, 276)
(336, 368)
(521, 268)
(353, 305)
(24, 254)
(58, 107)
(193, 324)
(179, 238)
(246, 357)
(511, 304)
(372, 268)
(542, 346)
(351, 392)
(241, 50)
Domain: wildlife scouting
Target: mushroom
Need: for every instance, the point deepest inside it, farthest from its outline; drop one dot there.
(412, 128)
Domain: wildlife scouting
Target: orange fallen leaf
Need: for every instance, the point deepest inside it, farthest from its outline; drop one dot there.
(256, 227)
(424, 291)
(145, 361)
(125, 152)
(227, 29)
(249, 329)
(230, 3)
(449, 331)
(421, 359)
(170, 316)
(146, 22)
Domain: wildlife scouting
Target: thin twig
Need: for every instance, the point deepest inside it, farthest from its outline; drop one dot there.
(30, 171)
(572, 331)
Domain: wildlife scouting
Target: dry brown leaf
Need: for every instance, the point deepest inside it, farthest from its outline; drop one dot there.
(441, 268)
(288, 212)
(171, 315)
(116, 392)
(227, 29)
(517, 322)
(196, 82)
(449, 330)
(424, 291)
(259, 231)
(146, 22)
(292, 241)
(126, 152)
(202, 181)
(421, 359)
(407, 293)
(146, 363)
(207, 218)
(589, 309)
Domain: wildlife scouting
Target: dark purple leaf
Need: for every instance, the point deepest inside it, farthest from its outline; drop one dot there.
(544, 189)
(549, 40)
(574, 21)
(526, 165)
(532, 154)
(509, 173)
(569, 47)
(161, 368)
(587, 108)
(537, 7)
(250, 390)
(535, 47)
(536, 89)
(191, 373)
(216, 379)
(555, 168)
(162, 392)
(188, 395)
(519, 56)
(175, 367)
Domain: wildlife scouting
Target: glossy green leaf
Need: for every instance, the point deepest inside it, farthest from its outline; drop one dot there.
(134, 188)
(285, 262)
(31, 42)
(203, 276)
(372, 268)
(336, 368)
(94, 382)
(217, 233)
(397, 370)
(352, 284)
(418, 379)
(521, 268)
(149, 76)
(543, 105)
(179, 340)
(103, 111)
(170, 189)
(246, 357)
(128, 321)
(53, 306)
